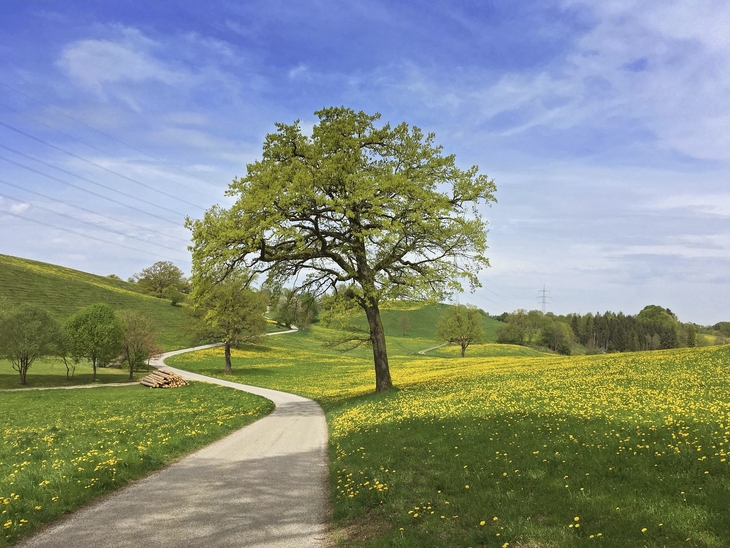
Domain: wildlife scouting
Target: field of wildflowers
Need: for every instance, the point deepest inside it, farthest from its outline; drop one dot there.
(515, 450)
(61, 448)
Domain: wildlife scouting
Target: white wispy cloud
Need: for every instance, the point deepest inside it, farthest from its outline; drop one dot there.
(19, 208)
(700, 204)
(95, 63)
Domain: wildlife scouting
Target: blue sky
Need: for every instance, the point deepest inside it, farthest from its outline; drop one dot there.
(606, 126)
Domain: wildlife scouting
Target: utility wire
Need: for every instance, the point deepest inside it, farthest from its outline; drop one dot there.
(153, 254)
(497, 295)
(39, 140)
(28, 168)
(502, 290)
(104, 134)
(519, 299)
(94, 225)
(140, 227)
(95, 147)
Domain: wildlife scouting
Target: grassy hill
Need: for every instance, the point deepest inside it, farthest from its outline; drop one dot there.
(420, 331)
(64, 291)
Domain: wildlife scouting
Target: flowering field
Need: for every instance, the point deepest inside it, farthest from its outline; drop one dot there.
(61, 448)
(612, 450)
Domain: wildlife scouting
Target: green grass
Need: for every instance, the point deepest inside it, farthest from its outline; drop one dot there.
(632, 445)
(422, 320)
(487, 351)
(52, 372)
(64, 291)
(62, 448)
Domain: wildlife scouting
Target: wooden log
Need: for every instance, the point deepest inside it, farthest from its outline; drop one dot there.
(163, 379)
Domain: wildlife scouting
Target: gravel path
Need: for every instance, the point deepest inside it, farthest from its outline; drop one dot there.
(263, 486)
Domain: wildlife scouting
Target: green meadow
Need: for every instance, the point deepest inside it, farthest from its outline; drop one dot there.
(507, 447)
(45, 373)
(511, 447)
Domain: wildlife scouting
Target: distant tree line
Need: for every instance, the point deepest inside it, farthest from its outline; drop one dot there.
(653, 328)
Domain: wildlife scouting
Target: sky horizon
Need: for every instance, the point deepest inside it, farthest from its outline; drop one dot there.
(604, 126)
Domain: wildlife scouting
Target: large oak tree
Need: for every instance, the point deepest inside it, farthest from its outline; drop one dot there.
(378, 210)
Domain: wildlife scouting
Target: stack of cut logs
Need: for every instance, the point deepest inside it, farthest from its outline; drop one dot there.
(163, 379)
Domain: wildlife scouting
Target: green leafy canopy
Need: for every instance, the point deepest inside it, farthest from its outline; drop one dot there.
(379, 209)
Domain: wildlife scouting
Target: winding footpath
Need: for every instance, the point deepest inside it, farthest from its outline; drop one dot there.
(264, 486)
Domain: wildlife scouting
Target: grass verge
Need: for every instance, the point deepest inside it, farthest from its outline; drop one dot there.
(62, 448)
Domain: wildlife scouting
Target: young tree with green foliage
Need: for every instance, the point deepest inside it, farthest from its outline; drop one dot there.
(64, 352)
(691, 335)
(521, 325)
(231, 311)
(138, 339)
(290, 308)
(460, 325)
(556, 336)
(162, 279)
(379, 210)
(27, 332)
(95, 334)
(404, 323)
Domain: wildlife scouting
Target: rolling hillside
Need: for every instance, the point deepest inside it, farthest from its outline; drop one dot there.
(420, 330)
(64, 291)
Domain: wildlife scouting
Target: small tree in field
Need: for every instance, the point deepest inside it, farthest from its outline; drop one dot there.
(94, 334)
(230, 310)
(460, 325)
(162, 279)
(292, 308)
(404, 324)
(138, 338)
(380, 211)
(27, 332)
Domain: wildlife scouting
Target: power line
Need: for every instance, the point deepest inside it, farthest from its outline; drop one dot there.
(87, 236)
(95, 147)
(497, 295)
(32, 170)
(502, 290)
(76, 156)
(102, 133)
(94, 225)
(146, 229)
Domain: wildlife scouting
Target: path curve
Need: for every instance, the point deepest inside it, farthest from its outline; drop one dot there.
(423, 352)
(264, 486)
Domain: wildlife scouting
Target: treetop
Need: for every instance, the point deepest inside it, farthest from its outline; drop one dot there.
(380, 208)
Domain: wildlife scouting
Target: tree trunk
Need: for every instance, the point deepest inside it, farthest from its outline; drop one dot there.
(130, 362)
(380, 354)
(463, 349)
(93, 363)
(228, 370)
(23, 370)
